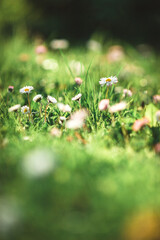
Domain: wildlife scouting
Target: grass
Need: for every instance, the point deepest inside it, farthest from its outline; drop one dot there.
(103, 180)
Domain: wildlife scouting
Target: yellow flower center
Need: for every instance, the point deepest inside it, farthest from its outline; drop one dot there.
(25, 110)
(108, 80)
(26, 90)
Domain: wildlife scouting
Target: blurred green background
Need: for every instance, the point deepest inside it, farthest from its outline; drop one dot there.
(135, 21)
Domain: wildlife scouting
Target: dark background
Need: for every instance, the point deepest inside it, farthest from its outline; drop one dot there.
(135, 21)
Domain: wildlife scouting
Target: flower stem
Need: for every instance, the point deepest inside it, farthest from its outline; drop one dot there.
(40, 110)
(107, 92)
(46, 112)
(30, 111)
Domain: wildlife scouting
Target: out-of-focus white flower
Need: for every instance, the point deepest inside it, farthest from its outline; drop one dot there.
(26, 89)
(50, 64)
(59, 44)
(156, 98)
(38, 162)
(108, 81)
(9, 214)
(118, 89)
(94, 46)
(103, 104)
(37, 98)
(77, 119)
(64, 108)
(55, 132)
(76, 67)
(78, 80)
(41, 49)
(158, 116)
(77, 97)
(14, 108)
(27, 138)
(115, 54)
(127, 92)
(138, 124)
(25, 109)
(51, 100)
(118, 107)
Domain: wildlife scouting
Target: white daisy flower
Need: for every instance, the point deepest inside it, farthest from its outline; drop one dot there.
(51, 100)
(158, 116)
(108, 81)
(94, 46)
(14, 108)
(64, 108)
(37, 98)
(118, 107)
(25, 109)
(76, 67)
(26, 89)
(50, 64)
(77, 97)
(38, 163)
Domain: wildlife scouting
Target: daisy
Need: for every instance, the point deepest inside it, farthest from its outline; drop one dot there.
(127, 92)
(158, 116)
(64, 108)
(59, 44)
(25, 110)
(108, 81)
(117, 107)
(77, 97)
(26, 89)
(14, 108)
(37, 98)
(51, 100)
(41, 49)
(103, 104)
(77, 119)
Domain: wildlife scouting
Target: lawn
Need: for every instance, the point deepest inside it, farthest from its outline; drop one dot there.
(93, 174)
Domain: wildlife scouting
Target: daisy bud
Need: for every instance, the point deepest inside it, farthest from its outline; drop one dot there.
(158, 116)
(78, 81)
(117, 107)
(103, 104)
(37, 98)
(77, 97)
(138, 124)
(14, 108)
(51, 99)
(10, 89)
